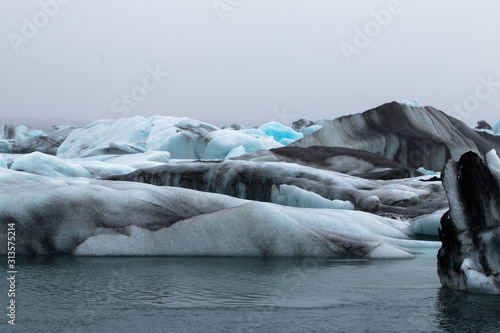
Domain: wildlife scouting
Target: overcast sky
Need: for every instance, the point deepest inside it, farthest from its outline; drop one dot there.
(246, 61)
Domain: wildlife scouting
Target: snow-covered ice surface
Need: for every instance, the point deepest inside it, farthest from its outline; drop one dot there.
(469, 258)
(89, 217)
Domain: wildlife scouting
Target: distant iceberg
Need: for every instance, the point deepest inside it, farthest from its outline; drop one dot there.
(496, 128)
(183, 138)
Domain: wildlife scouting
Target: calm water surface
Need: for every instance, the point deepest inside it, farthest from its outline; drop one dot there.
(159, 294)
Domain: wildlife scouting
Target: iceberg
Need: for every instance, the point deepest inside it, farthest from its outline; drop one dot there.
(4, 146)
(183, 138)
(413, 103)
(412, 136)
(281, 133)
(258, 179)
(48, 165)
(469, 258)
(21, 140)
(353, 162)
(3, 164)
(238, 151)
(101, 218)
(428, 224)
(310, 129)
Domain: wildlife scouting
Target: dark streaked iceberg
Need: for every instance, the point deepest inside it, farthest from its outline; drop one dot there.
(297, 185)
(89, 217)
(469, 258)
(412, 136)
(354, 162)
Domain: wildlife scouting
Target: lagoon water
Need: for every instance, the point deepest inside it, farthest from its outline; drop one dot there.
(164, 294)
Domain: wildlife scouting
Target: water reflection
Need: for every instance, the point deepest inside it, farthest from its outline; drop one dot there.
(459, 311)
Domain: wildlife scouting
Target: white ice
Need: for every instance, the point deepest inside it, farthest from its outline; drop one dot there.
(183, 138)
(289, 195)
(3, 163)
(223, 226)
(254, 229)
(428, 224)
(47, 165)
(476, 281)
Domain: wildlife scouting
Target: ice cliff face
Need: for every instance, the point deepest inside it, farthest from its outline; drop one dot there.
(469, 258)
(412, 136)
(265, 181)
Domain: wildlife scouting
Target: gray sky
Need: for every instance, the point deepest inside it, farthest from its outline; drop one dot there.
(246, 61)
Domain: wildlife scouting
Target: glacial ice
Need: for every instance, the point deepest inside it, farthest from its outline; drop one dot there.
(429, 172)
(428, 224)
(289, 195)
(3, 164)
(257, 229)
(353, 162)
(21, 140)
(70, 216)
(48, 165)
(99, 166)
(469, 258)
(222, 142)
(98, 169)
(413, 103)
(496, 127)
(310, 129)
(4, 146)
(183, 138)
(281, 133)
(255, 180)
(414, 137)
(236, 152)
